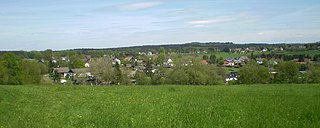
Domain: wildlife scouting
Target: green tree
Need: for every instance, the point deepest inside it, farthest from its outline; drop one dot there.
(287, 72)
(3, 73)
(213, 59)
(31, 72)
(178, 76)
(162, 50)
(142, 79)
(102, 69)
(12, 69)
(205, 57)
(118, 74)
(189, 71)
(159, 76)
(253, 73)
(313, 74)
(76, 62)
(55, 76)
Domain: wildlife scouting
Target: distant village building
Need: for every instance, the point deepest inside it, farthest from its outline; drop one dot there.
(264, 49)
(87, 65)
(116, 61)
(62, 72)
(168, 63)
(259, 60)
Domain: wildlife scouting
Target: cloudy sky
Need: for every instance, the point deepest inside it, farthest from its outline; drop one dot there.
(66, 24)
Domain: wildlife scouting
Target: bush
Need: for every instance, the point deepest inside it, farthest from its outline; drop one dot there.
(253, 73)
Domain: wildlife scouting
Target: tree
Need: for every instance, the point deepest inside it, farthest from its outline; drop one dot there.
(118, 74)
(12, 69)
(213, 59)
(102, 69)
(288, 72)
(3, 73)
(178, 76)
(162, 50)
(142, 79)
(159, 76)
(313, 74)
(205, 57)
(226, 49)
(149, 68)
(76, 62)
(31, 72)
(48, 54)
(253, 73)
(189, 71)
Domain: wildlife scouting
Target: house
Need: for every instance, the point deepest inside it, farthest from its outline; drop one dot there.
(141, 68)
(88, 58)
(87, 65)
(244, 59)
(80, 72)
(204, 62)
(128, 66)
(63, 72)
(249, 50)
(237, 50)
(142, 53)
(116, 61)
(229, 62)
(264, 49)
(168, 63)
(232, 76)
(65, 59)
(149, 53)
(259, 60)
(281, 49)
(141, 62)
(129, 59)
(273, 61)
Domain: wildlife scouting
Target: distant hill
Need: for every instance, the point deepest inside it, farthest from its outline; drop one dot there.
(208, 45)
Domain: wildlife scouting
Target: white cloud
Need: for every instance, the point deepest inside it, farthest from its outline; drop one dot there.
(260, 33)
(141, 5)
(210, 21)
(198, 26)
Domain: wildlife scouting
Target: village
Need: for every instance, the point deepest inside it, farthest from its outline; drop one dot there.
(151, 62)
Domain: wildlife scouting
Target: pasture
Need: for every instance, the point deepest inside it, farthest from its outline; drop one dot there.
(160, 106)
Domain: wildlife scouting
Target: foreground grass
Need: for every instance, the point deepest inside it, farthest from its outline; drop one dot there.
(160, 106)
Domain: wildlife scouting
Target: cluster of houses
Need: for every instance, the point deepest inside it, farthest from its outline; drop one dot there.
(133, 64)
(253, 49)
(235, 62)
(129, 62)
(65, 73)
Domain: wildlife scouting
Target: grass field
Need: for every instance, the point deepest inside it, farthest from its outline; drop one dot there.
(160, 106)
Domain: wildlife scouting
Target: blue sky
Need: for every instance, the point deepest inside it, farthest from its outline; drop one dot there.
(67, 24)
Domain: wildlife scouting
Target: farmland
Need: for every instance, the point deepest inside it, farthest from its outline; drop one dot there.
(160, 106)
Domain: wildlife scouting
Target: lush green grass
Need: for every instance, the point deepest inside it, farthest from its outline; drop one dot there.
(303, 52)
(160, 106)
(225, 55)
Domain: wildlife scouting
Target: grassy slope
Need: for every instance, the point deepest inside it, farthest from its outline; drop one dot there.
(160, 106)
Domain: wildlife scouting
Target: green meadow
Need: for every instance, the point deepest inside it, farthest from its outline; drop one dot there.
(160, 106)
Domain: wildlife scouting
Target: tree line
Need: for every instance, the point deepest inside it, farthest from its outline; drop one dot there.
(187, 70)
(16, 71)
(286, 72)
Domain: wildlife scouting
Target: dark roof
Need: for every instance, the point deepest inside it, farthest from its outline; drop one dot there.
(140, 67)
(61, 70)
(80, 70)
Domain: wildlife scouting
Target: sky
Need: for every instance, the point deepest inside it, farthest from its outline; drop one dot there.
(69, 24)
